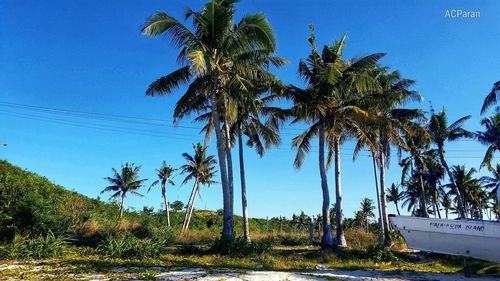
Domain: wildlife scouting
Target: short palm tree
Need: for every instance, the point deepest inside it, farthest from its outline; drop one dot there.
(395, 196)
(201, 169)
(490, 137)
(447, 203)
(217, 55)
(124, 182)
(441, 133)
(491, 98)
(366, 210)
(164, 174)
(469, 187)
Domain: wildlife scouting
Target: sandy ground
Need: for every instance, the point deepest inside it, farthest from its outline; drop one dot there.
(323, 275)
(200, 274)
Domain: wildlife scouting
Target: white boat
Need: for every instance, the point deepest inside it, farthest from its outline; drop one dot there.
(464, 237)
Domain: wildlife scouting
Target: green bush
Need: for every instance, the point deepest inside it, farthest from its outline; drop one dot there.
(190, 248)
(39, 247)
(379, 253)
(126, 245)
(239, 247)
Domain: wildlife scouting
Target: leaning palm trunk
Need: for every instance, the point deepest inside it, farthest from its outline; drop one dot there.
(461, 207)
(423, 204)
(381, 224)
(383, 201)
(327, 239)
(227, 228)
(246, 228)
(341, 242)
(436, 204)
(188, 217)
(188, 207)
(165, 201)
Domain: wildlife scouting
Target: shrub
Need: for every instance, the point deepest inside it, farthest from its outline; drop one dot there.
(39, 247)
(239, 247)
(379, 253)
(190, 248)
(126, 245)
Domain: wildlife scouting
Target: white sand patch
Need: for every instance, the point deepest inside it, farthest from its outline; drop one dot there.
(200, 274)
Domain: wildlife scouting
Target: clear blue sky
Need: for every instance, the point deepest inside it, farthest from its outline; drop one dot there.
(89, 56)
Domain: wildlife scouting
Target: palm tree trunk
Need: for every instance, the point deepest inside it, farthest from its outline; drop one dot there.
(230, 178)
(461, 207)
(446, 212)
(436, 203)
(381, 225)
(246, 228)
(397, 208)
(165, 201)
(383, 200)
(122, 204)
(327, 239)
(341, 242)
(423, 204)
(189, 212)
(191, 196)
(227, 228)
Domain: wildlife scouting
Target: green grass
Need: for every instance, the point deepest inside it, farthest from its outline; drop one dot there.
(297, 258)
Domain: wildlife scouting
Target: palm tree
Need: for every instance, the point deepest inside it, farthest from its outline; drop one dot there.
(491, 98)
(164, 174)
(440, 133)
(394, 195)
(123, 182)
(490, 137)
(366, 210)
(447, 203)
(417, 144)
(389, 124)
(492, 182)
(200, 168)
(328, 104)
(469, 189)
(261, 134)
(432, 176)
(216, 56)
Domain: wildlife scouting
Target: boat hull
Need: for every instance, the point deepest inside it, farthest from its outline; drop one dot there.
(469, 238)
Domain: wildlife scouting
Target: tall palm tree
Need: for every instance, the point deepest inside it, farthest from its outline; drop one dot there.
(328, 105)
(261, 135)
(201, 169)
(440, 133)
(389, 125)
(164, 174)
(216, 56)
(490, 137)
(124, 182)
(491, 98)
(394, 195)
